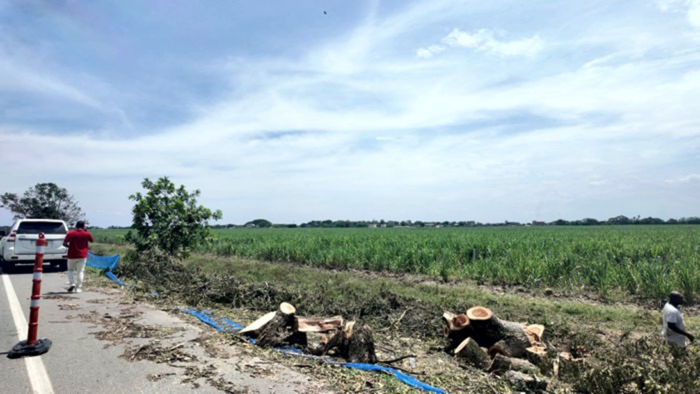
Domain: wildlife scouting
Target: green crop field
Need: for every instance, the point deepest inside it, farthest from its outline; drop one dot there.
(645, 261)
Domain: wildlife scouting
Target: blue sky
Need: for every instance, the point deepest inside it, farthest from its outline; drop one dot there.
(424, 110)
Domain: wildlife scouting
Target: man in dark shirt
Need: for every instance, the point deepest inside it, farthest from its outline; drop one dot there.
(77, 243)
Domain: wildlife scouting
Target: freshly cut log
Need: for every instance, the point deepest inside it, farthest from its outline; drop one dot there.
(447, 319)
(455, 322)
(535, 352)
(353, 344)
(501, 364)
(253, 329)
(460, 322)
(479, 313)
(487, 330)
(315, 342)
(470, 353)
(538, 357)
(534, 333)
(524, 382)
(361, 346)
(498, 348)
(278, 329)
(317, 324)
(457, 329)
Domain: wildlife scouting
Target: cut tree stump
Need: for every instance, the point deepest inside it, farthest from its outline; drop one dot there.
(524, 382)
(456, 329)
(278, 329)
(501, 364)
(356, 345)
(253, 329)
(317, 324)
(534, 333)
(361, 346)
(488, 330)
(470, 353)
(498, 348)
(538, 357)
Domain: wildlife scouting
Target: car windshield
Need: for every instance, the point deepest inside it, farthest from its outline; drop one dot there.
(41, 227)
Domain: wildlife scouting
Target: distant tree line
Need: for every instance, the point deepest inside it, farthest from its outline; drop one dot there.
(617, 220)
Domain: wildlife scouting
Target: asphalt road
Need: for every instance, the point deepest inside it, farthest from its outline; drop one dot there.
(78, 362)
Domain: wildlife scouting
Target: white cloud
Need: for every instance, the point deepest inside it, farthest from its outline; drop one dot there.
(690, 178)
(694, 14)
(426, 53)
(373, 132)
(690, 7)
(485, 40)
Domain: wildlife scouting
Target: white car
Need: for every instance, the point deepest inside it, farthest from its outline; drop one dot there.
(18, 246)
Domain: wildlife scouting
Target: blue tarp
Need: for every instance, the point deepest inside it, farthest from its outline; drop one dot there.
(226, 325)
(105, 263)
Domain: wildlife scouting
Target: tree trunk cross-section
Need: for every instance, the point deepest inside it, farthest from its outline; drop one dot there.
(489, 330)
(456, 329)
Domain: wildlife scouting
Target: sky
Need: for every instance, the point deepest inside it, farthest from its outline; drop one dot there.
(357, 110)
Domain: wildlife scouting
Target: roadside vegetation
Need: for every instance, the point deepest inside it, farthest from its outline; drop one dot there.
(399, 281)
(626, 353)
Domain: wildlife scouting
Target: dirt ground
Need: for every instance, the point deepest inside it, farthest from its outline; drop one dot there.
(197, 355)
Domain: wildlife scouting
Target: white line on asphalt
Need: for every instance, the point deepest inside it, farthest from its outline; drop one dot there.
(41, 384)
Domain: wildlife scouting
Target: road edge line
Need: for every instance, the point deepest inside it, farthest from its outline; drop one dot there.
(38, 377)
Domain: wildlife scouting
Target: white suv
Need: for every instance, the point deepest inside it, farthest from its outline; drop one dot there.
(19, 245)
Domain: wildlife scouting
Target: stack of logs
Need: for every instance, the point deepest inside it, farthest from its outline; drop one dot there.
(313, 335)
(481, 340)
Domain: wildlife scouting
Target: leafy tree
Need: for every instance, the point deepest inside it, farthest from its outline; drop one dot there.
(168, 219)
(44, 200)
(621, 219)
(259, 223)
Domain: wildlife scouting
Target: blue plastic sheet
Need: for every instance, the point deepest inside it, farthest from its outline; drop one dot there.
(217, 323)
(107, 264)
(102, 262)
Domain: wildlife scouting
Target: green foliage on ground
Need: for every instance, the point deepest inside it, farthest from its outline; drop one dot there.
(168, 220)
(620, 360)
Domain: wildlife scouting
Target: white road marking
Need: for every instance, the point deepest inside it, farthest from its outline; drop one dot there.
(41, 384)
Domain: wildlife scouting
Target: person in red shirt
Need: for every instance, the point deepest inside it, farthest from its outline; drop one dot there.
(77, 243)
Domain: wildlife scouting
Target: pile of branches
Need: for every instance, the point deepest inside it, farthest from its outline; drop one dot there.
(170, 278)
(645, 365)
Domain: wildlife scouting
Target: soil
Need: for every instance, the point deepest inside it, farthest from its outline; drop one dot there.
(196, 354)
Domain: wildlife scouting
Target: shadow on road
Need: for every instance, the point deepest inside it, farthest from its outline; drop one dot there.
(28, 269)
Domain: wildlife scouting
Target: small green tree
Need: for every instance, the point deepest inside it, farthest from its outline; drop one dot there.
(167, 219)
(45, 201)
